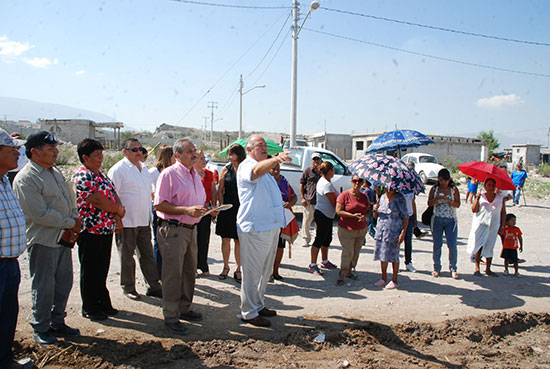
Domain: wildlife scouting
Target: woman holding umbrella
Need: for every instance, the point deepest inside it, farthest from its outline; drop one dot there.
(489, 211)
(391, 227)
(489, 217)
(396, 177)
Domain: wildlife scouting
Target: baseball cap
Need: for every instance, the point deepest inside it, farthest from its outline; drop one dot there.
(7, 140)
(316, 155)
(40, 138)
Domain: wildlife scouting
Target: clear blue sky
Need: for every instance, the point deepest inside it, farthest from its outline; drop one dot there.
(148, 62)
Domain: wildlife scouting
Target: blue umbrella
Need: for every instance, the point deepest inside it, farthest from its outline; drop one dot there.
(397, 140)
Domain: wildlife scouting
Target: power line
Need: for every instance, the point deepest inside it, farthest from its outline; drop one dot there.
(226, 72)
(231, 5)
(270, 47)
(439, 28)
(431, 56)
(273, 57)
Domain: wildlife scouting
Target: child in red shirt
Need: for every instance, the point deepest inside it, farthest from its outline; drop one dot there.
(511, 241)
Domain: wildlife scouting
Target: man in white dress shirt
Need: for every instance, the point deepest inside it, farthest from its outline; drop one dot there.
(133, 185)
(259, 221)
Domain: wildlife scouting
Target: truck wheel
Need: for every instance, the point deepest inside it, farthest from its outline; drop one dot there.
(423, 177)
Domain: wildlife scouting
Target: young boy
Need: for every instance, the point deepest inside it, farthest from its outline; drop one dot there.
(511, 241)
(472, 189)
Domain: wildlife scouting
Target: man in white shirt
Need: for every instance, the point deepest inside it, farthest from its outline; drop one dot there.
(259, 221)
(133, 185)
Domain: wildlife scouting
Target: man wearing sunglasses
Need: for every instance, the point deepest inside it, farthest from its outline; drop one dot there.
(133, 185)
(50, 210)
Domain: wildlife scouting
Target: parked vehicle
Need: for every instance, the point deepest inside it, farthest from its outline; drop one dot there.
(301, 159)
(299, 142)
(426, 165)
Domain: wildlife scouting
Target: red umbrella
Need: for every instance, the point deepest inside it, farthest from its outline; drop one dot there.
(481, 170)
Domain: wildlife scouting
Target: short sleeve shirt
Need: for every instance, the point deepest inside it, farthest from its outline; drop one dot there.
(353, 204)
(511, 238)
(309, 180)
(13, 240)
(286, 189)
(518, 177)
(323, 203)
(261, 206)
(207, 181)
(87, 183)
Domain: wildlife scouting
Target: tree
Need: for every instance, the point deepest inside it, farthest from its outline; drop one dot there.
(488, 139)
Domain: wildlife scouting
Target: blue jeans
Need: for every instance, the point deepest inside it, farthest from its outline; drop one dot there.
(517, 195)
(449, 226)
(10, 276)
(409, 240)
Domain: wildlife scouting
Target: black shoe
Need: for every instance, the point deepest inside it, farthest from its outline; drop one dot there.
(111, 311)
(44, 338)
(258, 321)
(154, 293)
(63, 330)
(267, 312)
(191, 316)
(177, 328)
(95, 315)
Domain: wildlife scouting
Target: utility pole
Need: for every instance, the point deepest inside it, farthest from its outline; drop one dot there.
(294, 73)
(212, 105)
(204, 128)
(241, 85)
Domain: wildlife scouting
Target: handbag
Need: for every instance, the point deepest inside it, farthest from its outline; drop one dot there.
(427, 216)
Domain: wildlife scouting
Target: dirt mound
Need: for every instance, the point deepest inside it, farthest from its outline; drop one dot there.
(509, 340)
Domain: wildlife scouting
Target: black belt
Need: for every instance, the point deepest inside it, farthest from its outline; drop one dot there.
(9, 259)
(175, 223)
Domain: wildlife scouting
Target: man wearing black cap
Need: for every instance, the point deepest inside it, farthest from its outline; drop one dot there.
(50, 211)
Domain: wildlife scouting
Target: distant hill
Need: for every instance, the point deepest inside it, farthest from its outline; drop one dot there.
(12, 108)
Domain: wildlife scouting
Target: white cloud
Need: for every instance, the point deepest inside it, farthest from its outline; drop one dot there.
(80, 72)
(40, 62)
(12, 48)
(499, 101)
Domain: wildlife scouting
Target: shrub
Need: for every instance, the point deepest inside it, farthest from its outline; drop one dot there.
(544, 170)
(110, 158)
(451, 163)
(67, 155)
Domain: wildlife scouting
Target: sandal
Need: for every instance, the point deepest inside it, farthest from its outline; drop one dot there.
(238, 276)
(224, 274)
(477, 274)
(435, 274)
(340, 282)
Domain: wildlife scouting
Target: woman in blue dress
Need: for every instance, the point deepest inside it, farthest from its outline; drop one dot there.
(391, 226)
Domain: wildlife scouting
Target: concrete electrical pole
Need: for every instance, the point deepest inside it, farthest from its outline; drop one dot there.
(212, 105)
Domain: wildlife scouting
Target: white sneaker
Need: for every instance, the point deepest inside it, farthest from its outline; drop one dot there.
(505, 272)
(410, 268)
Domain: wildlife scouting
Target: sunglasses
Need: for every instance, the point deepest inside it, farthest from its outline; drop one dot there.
(135, 149)
(356, 181)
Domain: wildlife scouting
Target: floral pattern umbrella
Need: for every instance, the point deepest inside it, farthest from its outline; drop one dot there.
(392, 173)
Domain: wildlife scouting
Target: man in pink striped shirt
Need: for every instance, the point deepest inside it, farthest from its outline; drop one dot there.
(179, 200)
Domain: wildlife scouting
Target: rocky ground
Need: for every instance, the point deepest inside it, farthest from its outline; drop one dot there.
(473, 322)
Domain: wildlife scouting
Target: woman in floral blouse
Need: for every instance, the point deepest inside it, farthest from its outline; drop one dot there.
(100, 211)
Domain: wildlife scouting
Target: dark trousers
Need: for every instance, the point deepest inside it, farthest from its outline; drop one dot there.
(156, 251)
(94, 253)
(203, 241)
(409, 240)
(10, 276)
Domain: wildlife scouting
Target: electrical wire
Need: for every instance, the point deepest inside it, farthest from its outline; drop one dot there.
(430, 56)
(438, 28)
(231, 5)
(226, 72)
(229, 98)
(270, 47)
(272, 58)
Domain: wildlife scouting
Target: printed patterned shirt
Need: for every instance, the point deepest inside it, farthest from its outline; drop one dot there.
(13, 239)
(87, 183)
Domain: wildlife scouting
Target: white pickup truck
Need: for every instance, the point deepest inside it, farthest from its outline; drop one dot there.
(301, 159)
